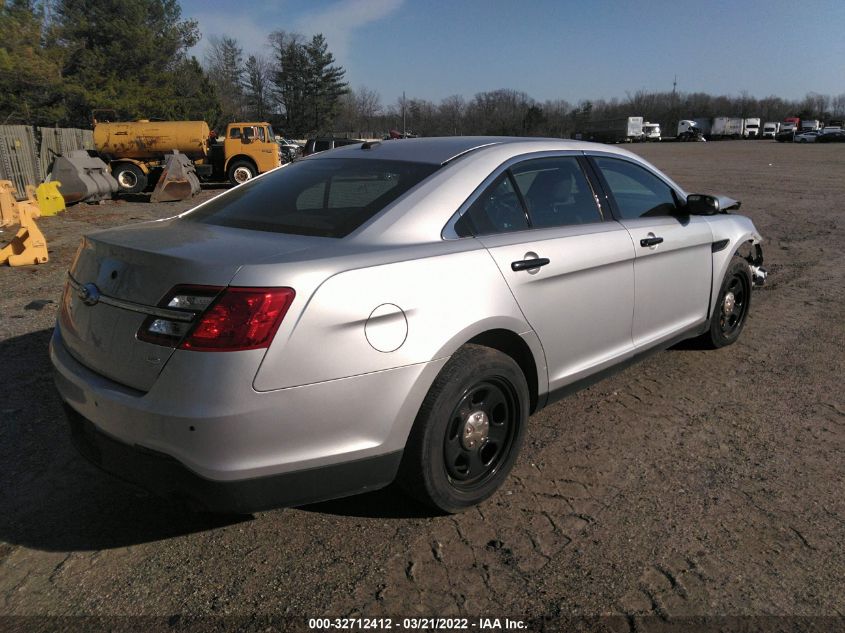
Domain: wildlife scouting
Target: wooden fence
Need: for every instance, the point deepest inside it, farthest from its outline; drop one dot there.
(26, 152)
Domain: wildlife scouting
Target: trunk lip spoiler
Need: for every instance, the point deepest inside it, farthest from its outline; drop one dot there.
(83, 290)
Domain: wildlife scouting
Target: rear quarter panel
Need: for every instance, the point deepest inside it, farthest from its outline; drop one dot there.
(440, 301)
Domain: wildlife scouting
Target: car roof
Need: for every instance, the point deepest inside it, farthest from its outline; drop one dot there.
(442, 149)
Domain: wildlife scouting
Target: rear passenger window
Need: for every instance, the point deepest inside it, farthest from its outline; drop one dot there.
(638, 192)
(556, 192)
(497, 210)
(235, 132)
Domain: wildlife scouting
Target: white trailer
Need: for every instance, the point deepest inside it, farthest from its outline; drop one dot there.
(727, 127)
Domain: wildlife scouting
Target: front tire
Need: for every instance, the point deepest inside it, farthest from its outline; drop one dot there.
(732, 305)
(468, 431)
(129, 177)
(240, 172)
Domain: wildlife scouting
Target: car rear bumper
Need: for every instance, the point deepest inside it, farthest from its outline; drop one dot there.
(167, 477)
(207, 434)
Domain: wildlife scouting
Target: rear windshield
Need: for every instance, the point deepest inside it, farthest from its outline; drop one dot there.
(326, 198)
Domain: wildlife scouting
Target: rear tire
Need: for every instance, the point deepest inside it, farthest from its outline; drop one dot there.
(129, 177)
(732, 304)
(240, 172)
(468, 431)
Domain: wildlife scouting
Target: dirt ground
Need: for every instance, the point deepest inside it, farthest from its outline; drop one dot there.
(698, 483)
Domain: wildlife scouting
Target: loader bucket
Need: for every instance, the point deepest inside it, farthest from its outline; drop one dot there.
(83, 177)
(50, 201)
(178, 179)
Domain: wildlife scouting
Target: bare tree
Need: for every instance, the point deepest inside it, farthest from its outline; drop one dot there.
(367, 107)
(225, 66)
(451, 113)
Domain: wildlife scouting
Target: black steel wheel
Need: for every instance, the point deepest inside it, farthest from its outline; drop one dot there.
(468, 431)
(732, 304)
(480, 433)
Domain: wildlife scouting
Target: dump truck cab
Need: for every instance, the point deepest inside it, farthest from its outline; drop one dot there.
(249, 149)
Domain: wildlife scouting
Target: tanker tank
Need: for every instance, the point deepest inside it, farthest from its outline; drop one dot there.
(151, 140)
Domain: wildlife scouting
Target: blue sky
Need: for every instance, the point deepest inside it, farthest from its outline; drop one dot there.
(561, 49)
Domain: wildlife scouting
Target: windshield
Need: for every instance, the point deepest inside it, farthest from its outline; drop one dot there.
(326, 198)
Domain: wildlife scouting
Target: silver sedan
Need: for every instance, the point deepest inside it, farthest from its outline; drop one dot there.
(385, 311)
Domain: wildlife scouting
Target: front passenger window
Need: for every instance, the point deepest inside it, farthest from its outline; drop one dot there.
(638, 192)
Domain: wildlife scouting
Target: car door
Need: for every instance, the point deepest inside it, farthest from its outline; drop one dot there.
(579, 296)
(673, 265)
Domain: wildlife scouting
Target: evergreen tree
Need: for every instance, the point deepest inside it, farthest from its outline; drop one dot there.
(326, 85)
(31, 89)
(291, 80)
(127, 56)
(258, 73)
(308, 84)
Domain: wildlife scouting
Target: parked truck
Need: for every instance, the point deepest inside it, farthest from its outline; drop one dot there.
(688, 130)
(752, 128)
(770, 129)
(136, 151)
(623, 130)
(651, 131)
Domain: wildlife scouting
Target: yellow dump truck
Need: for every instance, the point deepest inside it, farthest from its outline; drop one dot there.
(136, 151)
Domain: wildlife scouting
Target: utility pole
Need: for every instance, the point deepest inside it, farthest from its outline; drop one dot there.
(675, 115)
(403, 114)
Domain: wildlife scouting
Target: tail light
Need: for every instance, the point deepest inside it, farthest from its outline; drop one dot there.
(222, 319)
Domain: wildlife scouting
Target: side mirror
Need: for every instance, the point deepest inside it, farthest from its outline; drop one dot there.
(701, 204)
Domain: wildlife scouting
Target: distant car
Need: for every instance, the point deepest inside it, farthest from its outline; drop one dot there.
(832, 137)
(807, 137)
(785, 136)
(393, 310)
(289, 149)
(321, 144)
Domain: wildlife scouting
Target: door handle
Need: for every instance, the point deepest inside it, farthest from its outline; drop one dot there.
(651, 241)
(528, 264)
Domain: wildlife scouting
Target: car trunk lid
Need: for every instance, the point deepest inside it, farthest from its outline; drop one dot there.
(120, 276)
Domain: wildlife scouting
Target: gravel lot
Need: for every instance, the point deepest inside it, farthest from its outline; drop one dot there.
(698, 483)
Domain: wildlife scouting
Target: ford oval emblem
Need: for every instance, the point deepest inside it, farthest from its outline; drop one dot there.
(89, 294)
